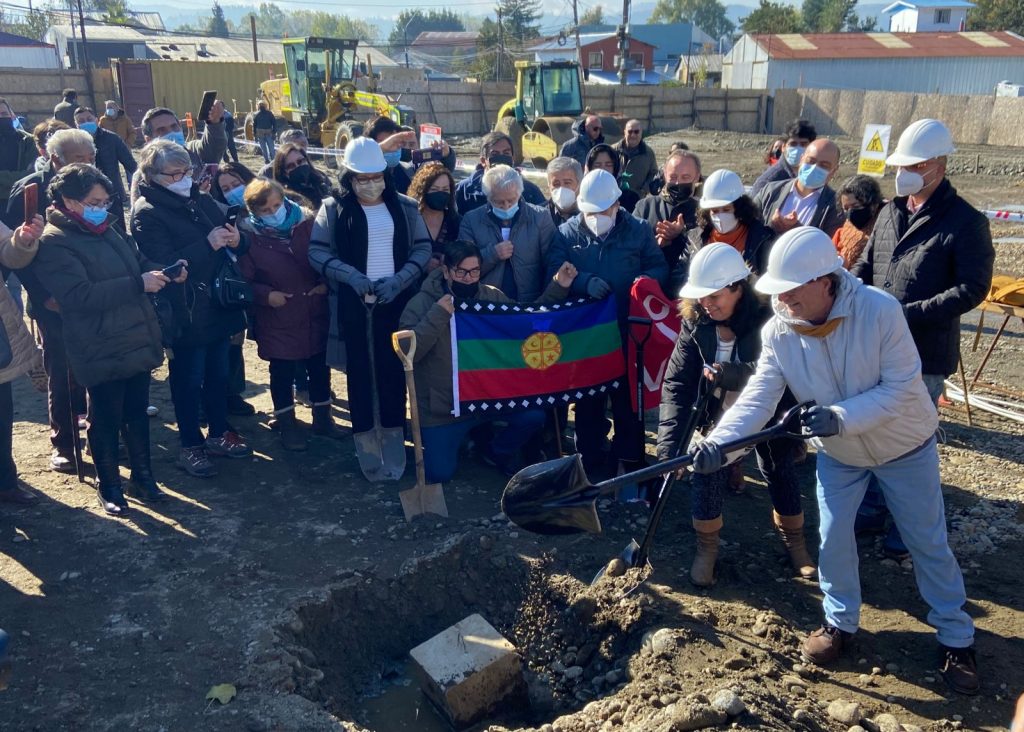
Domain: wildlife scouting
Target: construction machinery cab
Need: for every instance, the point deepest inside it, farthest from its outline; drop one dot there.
(315, 66)
(549, 99)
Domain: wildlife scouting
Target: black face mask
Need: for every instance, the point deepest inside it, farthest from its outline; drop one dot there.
(859, 217)
(679, 191)
(437, 200)
(300, 176)
(464, 290)
(406, 155)
(493, 160)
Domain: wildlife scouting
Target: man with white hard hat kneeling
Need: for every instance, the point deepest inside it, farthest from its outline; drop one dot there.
(847, 347)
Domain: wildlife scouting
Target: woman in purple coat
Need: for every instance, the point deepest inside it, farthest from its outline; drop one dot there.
(290, 314)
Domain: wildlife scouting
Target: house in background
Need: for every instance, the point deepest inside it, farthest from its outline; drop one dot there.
(701, 66)
(672, 41)
(923, 16)
(20, 52)
(598, 52)
(927, 63)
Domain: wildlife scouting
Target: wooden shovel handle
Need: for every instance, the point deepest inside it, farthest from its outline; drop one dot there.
(396, 342)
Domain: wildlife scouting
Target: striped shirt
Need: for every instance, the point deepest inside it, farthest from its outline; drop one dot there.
(380, 256)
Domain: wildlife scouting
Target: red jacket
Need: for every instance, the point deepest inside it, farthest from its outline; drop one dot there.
(298, 329)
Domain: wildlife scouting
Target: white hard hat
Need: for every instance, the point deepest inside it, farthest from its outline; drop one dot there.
(715, 266)
(363, 155)
(797, 257)
(923, 140)
(598, 191)
(720, 189)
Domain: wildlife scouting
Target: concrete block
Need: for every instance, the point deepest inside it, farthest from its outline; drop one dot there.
(469, 670)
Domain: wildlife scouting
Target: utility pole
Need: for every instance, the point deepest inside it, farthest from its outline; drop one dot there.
(501, 48)
(86, 66)
(576, 27)
(624, 44)
(255, 47)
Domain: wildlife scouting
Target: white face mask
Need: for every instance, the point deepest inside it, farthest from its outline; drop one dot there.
(908, 182)
(724, 222)
(563, 198)
(368, 191)
(600, 224)
(182, 187)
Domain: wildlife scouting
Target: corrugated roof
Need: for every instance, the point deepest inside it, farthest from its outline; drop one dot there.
(586, 39)
(930, 4)
(10, 39)
(694, 63)
(890, 45)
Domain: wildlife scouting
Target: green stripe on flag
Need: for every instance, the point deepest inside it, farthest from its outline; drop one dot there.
(507, 353)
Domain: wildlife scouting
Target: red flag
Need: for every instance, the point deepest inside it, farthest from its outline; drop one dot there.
(648, 301)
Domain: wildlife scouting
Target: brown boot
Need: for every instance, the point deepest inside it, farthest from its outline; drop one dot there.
(323, 423)
(291, 437)
(702, 572)
(824, 645)
(791, 531)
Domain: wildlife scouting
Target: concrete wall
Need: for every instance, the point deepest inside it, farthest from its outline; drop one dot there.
(34, 92)
(986, 120)
(470, 109)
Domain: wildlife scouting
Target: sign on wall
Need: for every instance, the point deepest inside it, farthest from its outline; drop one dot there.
(873, 150)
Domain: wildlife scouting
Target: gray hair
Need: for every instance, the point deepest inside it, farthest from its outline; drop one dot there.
(63, 142)
(564, 163)
(160, 154)
(293, 134)
(499, 178)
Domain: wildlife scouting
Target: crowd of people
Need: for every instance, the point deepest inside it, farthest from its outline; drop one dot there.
(791, 291)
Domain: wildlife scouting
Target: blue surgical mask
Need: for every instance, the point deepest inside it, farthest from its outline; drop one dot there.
(812, 176)
(793, 154)
(277, 218)
(176, 136)
(95, 215)
(89, 127)
(111, 112)
(505, 214)
(393, 158)
(236, 196)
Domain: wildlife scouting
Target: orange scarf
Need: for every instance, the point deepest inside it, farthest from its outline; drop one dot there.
(737, 238)
(850, 242)
(818, 331)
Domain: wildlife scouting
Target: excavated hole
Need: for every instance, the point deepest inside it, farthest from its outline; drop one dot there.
(348, 650)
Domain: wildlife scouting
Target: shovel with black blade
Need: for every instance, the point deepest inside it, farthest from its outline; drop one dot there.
(556, 497)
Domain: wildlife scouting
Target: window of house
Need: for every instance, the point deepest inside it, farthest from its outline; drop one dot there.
(595, 59)
(637, 59)
(942, 15)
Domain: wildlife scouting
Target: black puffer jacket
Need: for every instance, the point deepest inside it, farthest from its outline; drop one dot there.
(110, 329)
(937, 263)
(698, 345)
(169, 227)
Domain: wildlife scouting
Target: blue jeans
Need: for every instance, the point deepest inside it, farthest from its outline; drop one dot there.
(200, 373)
(913, 493)
(266, 143)
(441, 443)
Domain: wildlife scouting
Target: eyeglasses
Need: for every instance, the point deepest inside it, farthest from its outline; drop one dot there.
(369, 178)
(176, 176)
(595, 129)
(105, 205)
(466, 274)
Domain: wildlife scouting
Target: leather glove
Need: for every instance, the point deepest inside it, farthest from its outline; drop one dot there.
(820, 421)
(598, 288)
(360, 283)
(387, 289)
(707, 458)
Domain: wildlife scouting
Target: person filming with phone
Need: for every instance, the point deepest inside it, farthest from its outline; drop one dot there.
(102, 284)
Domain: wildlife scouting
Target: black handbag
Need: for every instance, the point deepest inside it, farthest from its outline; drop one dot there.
(231, 291)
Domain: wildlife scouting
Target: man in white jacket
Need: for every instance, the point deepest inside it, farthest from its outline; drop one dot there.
(847, 347)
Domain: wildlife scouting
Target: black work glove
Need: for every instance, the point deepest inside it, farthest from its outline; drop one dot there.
(598, 288)
(707, 458)
(820, 421)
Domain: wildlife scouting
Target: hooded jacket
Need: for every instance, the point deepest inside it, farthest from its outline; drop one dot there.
(110, 328)
(433, 357)
(867, 369)
(626, 252)
(640, 167)
(937, 263)
(469, 192)
(121, 125)
(580, 144)
(530, 234)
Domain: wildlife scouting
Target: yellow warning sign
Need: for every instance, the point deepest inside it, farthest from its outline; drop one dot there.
(867, 166)
(875, 144)
(873, 149)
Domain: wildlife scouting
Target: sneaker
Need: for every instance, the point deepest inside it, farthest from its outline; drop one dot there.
(195, 462)
(959, 670)
(238, 407)
(61, 463)
(824, 645)
(230, 445)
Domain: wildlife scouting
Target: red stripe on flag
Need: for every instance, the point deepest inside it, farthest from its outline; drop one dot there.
(491, 384)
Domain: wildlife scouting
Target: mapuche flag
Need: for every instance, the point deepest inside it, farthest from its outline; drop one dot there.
(510, 356)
